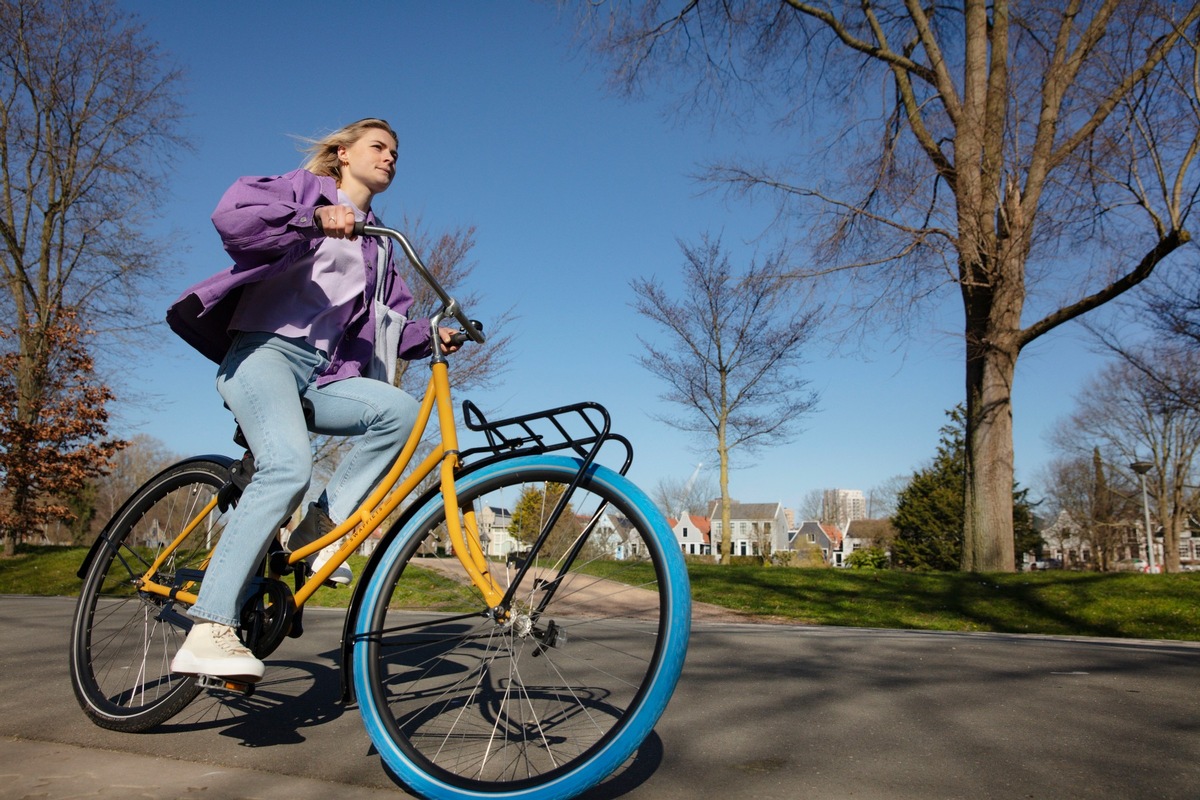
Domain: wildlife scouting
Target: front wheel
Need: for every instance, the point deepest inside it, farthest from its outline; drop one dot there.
(554, 696)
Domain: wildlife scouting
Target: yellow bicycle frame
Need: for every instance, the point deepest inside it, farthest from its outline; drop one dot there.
(385, 499)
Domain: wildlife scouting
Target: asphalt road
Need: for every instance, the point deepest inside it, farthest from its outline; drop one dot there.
(762, 711)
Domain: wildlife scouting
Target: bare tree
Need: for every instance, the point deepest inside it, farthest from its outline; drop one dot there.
(1037, 160)
(141, 459)
(729, 356)
(447, 256)
(1127, 418)
(86, 111)
(812, 504)
(677, 496)
(881, 499)
(1097, 500)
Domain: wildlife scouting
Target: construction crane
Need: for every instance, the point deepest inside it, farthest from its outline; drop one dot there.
(687, 490)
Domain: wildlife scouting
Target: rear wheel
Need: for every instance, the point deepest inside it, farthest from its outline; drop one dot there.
(123, 639)
(558, 693)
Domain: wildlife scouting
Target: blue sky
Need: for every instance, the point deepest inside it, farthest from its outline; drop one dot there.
(574, 192)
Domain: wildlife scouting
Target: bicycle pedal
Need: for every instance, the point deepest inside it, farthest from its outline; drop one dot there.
(225, 685)
(551, 637)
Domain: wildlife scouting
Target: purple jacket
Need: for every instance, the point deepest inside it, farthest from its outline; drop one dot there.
(266, 224)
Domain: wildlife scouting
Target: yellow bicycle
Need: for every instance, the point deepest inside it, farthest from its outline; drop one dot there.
(526, 674)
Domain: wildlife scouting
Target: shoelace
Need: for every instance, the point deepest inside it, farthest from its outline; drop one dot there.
(226, 640)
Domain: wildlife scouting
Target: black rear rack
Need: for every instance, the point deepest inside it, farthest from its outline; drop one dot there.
(583, 428)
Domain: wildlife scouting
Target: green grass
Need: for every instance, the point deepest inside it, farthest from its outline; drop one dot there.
(50, 571)
(421, 588)
(1060, 603)
(1063, 603)
(42, 570)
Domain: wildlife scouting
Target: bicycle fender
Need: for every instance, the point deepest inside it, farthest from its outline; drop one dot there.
(225, 461)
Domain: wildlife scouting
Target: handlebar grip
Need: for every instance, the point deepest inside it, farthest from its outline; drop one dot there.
(360, 227)
(461, 337)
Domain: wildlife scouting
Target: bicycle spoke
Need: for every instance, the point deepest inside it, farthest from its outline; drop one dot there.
(486, 703)
(123, 640)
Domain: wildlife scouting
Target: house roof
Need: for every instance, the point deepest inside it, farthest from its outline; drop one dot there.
(702, 524)
(746, 510)
(870, 529)
(832, 532)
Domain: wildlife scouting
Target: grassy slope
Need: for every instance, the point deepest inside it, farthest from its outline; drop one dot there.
(1062, 603)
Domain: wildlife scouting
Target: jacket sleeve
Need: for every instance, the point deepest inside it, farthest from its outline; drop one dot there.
(260, 219)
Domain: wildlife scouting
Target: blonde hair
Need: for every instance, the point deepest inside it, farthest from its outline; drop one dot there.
(323, 152)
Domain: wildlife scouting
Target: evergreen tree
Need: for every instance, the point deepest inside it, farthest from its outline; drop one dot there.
(930, 511)
(533, 510)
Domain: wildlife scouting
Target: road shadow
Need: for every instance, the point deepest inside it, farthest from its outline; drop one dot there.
(294, 696)
(640, 767)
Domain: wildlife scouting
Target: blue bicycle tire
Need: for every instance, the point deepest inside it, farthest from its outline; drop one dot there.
(400, 658)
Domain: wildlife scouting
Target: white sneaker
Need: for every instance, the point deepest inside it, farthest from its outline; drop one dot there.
(342, 575)
(214, 649)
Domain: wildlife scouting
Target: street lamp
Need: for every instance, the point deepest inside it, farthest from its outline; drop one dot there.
(1141, 468)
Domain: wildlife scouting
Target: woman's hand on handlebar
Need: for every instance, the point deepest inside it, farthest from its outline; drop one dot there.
(452, 339)
(337, 222)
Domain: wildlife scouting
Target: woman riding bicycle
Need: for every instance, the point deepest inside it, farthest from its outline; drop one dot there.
(293, 326)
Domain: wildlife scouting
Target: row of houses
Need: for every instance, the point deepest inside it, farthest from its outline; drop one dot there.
(1068, 545)
(756, 529)
(764, 529)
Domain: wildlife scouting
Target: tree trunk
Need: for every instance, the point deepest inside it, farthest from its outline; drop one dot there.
(988, 518)
(1174, 524)
(726, 533)
(993, 314)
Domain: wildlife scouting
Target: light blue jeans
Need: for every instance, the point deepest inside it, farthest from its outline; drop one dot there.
(264, 379)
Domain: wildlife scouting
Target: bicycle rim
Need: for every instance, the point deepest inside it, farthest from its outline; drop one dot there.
(553, 698)
(123, 639)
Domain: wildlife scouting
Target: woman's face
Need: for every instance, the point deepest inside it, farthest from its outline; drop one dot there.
(370, 161)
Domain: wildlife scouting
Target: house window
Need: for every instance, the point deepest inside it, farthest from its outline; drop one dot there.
(685, 533)
(812, 538)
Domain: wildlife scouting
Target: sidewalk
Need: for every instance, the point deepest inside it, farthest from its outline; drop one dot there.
(50, 771)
